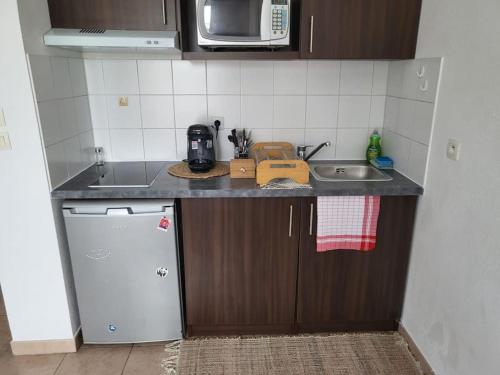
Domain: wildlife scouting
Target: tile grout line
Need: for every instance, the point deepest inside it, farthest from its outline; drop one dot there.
(60, 364)
(126, 361)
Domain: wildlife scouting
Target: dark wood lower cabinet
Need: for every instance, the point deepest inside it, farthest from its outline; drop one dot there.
(240, 264)
(346, 290)
(251, 267)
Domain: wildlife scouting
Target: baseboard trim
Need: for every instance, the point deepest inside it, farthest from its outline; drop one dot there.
(47, 346)
(424, 365)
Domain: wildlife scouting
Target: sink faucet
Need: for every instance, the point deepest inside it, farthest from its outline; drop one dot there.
(301, 151)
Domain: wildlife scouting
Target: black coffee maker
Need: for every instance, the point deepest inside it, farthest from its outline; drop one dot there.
(201, 148)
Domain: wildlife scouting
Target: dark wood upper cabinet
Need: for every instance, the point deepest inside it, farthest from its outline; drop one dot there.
(240, 264)
(114, 14)
(359, 29)
(352, 290)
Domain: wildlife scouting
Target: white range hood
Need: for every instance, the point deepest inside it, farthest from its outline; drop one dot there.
(98, 40)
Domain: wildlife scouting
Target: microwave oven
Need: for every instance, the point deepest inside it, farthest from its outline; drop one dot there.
(243, 23)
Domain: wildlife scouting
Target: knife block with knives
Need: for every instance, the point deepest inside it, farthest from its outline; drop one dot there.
(278, 160)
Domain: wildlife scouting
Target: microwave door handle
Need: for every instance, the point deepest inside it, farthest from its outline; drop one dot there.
(265, 20)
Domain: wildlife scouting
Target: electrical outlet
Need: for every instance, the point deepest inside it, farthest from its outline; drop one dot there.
(3, 124)
(217, 118)
(5, 142)
(123, 101)
(453, 149)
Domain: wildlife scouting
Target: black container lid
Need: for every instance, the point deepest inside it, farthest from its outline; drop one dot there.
(199, 130)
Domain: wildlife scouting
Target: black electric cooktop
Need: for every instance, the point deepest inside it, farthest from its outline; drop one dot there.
(126, 175)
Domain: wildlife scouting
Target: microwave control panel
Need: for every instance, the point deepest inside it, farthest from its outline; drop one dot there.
(280, 18)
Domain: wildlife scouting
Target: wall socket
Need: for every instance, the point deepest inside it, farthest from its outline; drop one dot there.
(5, 142)
(217, 118)
(453, 149)
(3, 124)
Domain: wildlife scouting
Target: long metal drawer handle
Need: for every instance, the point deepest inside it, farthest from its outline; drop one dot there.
(311, 220)
(164, 8)
(312, 35)
(291, 222)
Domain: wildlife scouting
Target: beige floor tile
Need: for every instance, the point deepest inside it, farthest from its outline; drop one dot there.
(145, 360)
(29, 365)
(95, 361)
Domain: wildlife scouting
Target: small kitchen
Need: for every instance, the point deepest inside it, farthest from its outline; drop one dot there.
(240, 179)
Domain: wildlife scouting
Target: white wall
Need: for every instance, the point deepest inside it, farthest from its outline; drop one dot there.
(294, 101)
(31, 271)
(453, 298)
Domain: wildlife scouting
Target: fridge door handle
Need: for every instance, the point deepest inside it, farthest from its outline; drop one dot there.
(119, 212)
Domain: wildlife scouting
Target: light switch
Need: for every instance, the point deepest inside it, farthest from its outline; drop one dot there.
(5, 142)
(453, 150)
(3, 124)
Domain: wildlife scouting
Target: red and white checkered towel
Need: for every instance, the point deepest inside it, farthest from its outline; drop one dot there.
(347, 223)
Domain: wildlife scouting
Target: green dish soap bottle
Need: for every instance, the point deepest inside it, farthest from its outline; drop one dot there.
(374, 148)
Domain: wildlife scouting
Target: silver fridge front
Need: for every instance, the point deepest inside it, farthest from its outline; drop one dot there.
(125, 266)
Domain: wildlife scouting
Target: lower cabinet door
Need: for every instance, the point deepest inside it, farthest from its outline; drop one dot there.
(240, 264)
(352, 290)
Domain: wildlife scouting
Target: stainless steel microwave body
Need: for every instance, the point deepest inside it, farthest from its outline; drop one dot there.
(243, 23)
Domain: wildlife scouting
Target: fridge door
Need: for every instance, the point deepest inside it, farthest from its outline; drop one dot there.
(125, 270)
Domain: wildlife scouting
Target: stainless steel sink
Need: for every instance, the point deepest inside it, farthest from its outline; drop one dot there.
(348, 172)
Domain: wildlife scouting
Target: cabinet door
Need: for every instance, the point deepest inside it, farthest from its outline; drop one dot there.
(354, 290)
(148, 14)
(114, 14)
(359, 29)
(85, 14)
(240, 264)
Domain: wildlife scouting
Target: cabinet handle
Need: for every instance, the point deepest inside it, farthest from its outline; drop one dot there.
(311, 220)
(312, 35)
(164, 8)
(290, 225)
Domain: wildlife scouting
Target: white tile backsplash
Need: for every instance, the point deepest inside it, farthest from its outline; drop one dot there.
(351, 144)
(257, 78)
(98, 111)
(294, 136)
(155, 77)
(356, 78)
(62, 79)
(60, 84)
(49, 118)
(120, 77)
(257, 112)
(289, 112)
(380, 74)
(190, 110)
(409, 114)
(354, 111)
(189, 77)
(95, 76)
(160, 144)
(323, 77)
(127, 144)
(223, 77)
(322, 111)
(290, 77)
(77, 76)
(157, 111)
(226, 106)
(278, 100)
(124, 117)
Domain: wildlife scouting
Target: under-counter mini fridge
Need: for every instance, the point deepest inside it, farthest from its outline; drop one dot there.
(125, 265)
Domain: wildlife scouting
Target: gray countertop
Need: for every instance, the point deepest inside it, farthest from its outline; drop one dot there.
(168, 187)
